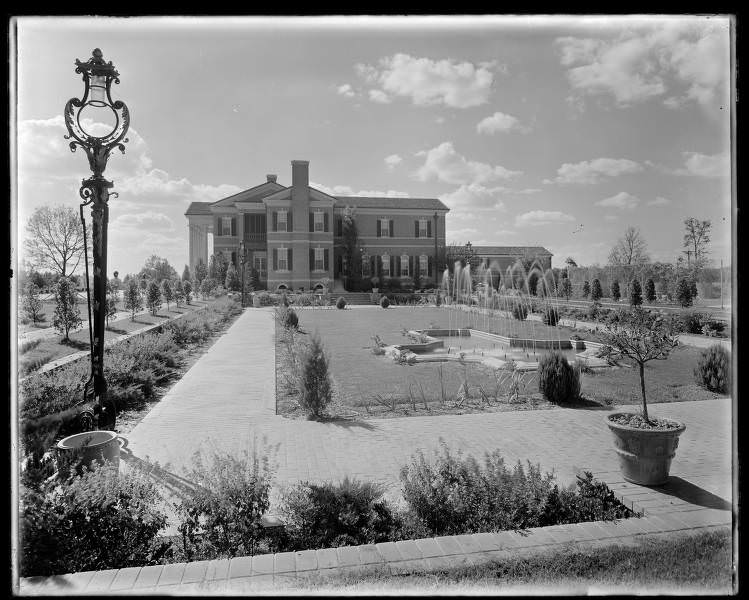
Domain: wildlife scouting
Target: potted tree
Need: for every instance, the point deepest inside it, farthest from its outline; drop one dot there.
(645, 446)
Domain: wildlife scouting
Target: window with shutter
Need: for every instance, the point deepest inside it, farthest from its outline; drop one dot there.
(275, 258)
(424, 264)
(424, 228)
(319, 220)
(429, 229)
(290, 221)
(385, 267)
(290, 255)
(391, 228)
(311, 222)
(398, 267)
(392, 265)
(416, 228)
(234, 226)
(275, 223)
(404, 266)
(379, 228)
(283, 259)
(282, 220)
(430, 267)
(326, 257)
(326, 225)
(311, 259)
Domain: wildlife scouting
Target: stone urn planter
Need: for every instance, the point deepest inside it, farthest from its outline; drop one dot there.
(83, 448)
(256, 302)
(645, 454)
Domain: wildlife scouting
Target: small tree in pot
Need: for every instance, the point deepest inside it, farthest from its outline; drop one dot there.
(645, 446)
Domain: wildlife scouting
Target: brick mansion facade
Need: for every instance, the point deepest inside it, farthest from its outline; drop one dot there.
(293, 236)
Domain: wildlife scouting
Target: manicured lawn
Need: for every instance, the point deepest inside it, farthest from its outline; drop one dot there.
(697, 563)
(369, 385)
(51, 348)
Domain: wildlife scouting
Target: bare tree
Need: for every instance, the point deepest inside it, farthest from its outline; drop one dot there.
(54, 239)
(630, 249)
(696, 239)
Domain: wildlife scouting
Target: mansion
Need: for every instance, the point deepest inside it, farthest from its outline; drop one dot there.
(293, 236)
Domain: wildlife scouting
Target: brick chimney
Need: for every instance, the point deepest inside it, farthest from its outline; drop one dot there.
(300, 173)
(271, 178)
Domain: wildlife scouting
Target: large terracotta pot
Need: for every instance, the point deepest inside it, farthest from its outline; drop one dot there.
(83, 448)
(645, 454)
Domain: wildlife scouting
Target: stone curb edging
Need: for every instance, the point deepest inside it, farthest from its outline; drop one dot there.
(409, 556)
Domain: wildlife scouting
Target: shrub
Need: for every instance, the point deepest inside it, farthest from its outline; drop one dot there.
(265, 299)
(341, 303)
(520, 311)
(550, 316)
(220, 516)
(635, 293)
(593, 311)
(329, 515)
(693, 321)
(31, 303)
(67, 315)
(586, 289)
(713, 370)
(684, 293)
(558, 381)
(314, 382)
(456, 495)
(615, 290)
(596, 293)
(384, 302)
(290, 319)
(99, 520)
(650, 290)
(153, 297)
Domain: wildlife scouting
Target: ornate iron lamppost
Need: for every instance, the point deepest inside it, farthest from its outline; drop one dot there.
(98, 76)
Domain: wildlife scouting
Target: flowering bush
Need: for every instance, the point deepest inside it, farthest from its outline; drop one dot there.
(713, 370)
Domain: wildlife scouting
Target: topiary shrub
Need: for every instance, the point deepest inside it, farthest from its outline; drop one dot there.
(551, 316)
(290, 319)
(384, 302)
(341, 303)
(558, 381)
(329, 515)
(520, 311)
(713, 370)
(693, 321)
(314, 382)
(593, 311)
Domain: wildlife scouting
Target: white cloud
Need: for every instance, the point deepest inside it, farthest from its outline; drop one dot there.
(444, 164)
(542, 217)
(621, 200)
(393, 161)
(659, 201)
(704, 165)
(474, 197)
(429, 82)
(461, 236)
(593, 171)
(440, 120)
(689, 61)
(346, 90)
(611, 217)
(345, 190)
(500, 123)
(149, 220)
(379, 96)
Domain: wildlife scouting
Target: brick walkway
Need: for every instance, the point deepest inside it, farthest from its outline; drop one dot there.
(227, 400)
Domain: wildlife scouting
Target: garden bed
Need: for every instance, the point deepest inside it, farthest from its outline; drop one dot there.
(368, 386)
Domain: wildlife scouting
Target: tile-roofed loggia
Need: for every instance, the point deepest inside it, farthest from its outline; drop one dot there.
(512, 250)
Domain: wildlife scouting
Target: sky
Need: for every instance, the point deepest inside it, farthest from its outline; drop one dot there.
(556, 132)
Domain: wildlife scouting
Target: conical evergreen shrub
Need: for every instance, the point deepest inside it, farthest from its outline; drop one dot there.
(558, 381)
(713, 370)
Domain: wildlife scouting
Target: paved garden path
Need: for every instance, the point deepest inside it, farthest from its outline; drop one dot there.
(226, 400)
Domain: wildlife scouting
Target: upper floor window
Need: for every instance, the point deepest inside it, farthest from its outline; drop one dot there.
(385, 228)
(423, 227)
(319, 259)
(283, 259)
(319, 220)
(385, 265)
(404, 265)
(282, 220)
(226, 226)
